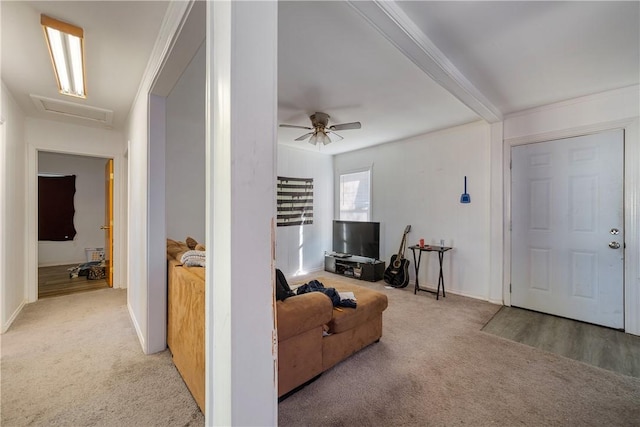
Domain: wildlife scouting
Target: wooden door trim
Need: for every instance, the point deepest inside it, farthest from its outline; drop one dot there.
(109, 189)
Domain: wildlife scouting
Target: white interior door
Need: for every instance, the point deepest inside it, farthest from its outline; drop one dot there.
(567, 228)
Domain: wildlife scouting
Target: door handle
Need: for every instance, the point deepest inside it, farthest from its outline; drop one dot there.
(614, 245)
(104, 227)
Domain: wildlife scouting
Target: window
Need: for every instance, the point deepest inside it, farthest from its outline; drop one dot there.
(355, 196)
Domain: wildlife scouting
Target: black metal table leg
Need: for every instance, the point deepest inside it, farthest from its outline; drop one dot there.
(416, 266)
(441, 250)
(440, 277)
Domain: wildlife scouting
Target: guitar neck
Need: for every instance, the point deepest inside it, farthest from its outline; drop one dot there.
(403, 241)
(402, 245)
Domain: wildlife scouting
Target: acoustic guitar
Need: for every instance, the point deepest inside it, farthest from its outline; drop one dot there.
(397, 274)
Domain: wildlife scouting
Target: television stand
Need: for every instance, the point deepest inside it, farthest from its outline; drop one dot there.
(356, 267)
(341, 255)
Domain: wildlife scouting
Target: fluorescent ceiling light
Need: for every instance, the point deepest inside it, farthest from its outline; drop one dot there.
(66, 47)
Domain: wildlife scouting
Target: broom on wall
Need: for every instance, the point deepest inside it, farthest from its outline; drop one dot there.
(465, 197)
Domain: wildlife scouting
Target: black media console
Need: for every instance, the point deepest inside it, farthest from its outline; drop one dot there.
(355, 266)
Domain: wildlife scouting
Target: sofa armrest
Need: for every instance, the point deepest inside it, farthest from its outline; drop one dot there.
(301, 313)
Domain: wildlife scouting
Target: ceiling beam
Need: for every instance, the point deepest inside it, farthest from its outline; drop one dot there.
(396, 26)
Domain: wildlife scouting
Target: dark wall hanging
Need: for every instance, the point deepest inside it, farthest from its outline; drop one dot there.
(56, 208)
(295, 201)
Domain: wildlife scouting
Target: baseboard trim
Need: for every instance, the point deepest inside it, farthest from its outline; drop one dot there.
(462, 294)
(57, 263)
(9, 322)
(137, 328)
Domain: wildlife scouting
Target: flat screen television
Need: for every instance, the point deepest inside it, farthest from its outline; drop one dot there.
(357, 238)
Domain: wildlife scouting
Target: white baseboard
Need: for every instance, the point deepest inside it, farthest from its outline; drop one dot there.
(136, 326)
(7, 324)
(462, 294)
(55, 264)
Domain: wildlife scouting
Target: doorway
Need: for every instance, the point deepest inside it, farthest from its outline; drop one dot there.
(567, 240)
(80, 262)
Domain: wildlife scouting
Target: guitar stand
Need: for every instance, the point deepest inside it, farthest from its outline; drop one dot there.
(441, 250)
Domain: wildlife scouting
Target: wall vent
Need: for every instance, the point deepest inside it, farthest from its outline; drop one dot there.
(72, 109)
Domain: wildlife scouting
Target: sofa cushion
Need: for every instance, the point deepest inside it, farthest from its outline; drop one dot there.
(198, 271)
(370, 303)
(176, 249)
(337, 347)
(301, 313)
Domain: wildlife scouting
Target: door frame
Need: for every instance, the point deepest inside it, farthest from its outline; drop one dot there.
(631, 198)
(108, 213)
(31, 265)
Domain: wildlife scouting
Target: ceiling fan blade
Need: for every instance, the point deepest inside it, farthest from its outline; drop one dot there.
(346, 126)
(295, 127)
(334, 137)
(303, 137)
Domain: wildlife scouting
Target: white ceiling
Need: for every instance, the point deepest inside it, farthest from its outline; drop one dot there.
(526, 54)
(331, 60)
(373, 62)
(118, 36)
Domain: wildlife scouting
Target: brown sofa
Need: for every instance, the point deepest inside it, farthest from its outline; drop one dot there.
(304, 349)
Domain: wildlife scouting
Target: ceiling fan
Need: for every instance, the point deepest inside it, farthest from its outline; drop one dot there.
(321, 131)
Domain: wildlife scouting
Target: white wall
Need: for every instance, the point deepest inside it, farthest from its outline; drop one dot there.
(57, 137)
(137, 219)
(185, 153)
(418, 181)
(300, 249)
(242, 95)
(146, 298)
(13, 224)
(616, 109)
(89, 204)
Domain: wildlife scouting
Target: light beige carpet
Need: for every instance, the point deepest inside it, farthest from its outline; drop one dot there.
(435, 367)
(75, 360)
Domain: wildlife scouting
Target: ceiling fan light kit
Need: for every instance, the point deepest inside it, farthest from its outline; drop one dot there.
(319, 137)
(321, 130)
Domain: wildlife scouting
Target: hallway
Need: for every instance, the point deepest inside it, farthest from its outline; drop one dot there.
(76, 360)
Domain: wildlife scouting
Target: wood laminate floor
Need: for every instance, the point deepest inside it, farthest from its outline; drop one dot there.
(55, 281)
(599, 346)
